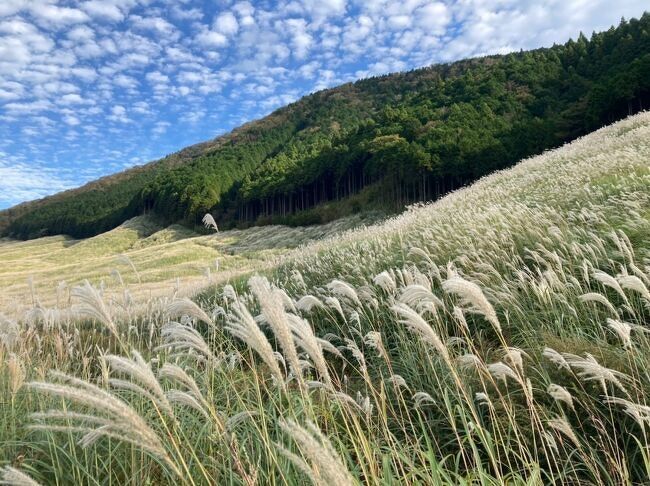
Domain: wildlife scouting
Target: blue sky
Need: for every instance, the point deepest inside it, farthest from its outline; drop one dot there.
(89, 88)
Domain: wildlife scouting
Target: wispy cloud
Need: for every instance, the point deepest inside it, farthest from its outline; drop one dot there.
(100, 84)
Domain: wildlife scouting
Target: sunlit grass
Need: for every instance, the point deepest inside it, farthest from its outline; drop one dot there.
(497, 336)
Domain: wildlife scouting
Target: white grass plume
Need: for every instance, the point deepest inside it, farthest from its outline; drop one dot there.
(418, 325)
(305, 339)
(321, 462)
(209, 222)
(241, 324)
(92, 305)
(273, 313)
(11, 476)
(186, 307)
(111, 416)
(184, 338)
(142, 379)
(472, 296)
(561, 394)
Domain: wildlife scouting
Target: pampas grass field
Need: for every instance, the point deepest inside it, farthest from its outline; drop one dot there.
(496, 336)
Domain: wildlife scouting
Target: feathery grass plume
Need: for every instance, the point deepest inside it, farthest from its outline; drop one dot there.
(469, 361)
(640, 413)
(592, 370)
(608, 281)
(556, 357)
(273, 313)
(386, 282)
(242, 325)
(142, 379)
(17, 373)
(501, 371)
(305, 339)
(335, 304)
(623, 330)
(238, 418)
(9, 332)
(561, 425)
(124, 259)
(398, 381)
(209, 222)
(373, 340)
(561, 394)
(420, 398)
(419, 326)
(343, 289)
(632, 282)
(186, 307)
(601, 299)
(92, 306)
(192, 397)
(184, 338)
(420, 298)
(11, 476)
(111, 417)
(515, 356)
(483, 399)
(472, 296)
(322, 463)
(309, 302)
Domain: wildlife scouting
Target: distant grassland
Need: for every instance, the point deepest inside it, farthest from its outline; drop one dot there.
(162, 258)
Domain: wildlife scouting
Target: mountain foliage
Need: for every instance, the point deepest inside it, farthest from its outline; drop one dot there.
(403, 137)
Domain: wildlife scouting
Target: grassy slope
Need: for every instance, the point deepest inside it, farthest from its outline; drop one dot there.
(160, 256)
(511, 265)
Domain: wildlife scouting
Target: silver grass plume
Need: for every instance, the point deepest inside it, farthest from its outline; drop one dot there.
(11, 476)
(609, 281)
(309, 302)
(305, 339)
(561, 425)
(640, 413)
(242, 325)
(343, 289)
(472, 296)
(192, 397)
(561, 394)
(623, 330)
(142, 379)
(601, 299)
(9, 332)
(273, 313)
(419, 326)
(590, 370)
(185, 338)
(209, 222)
(632, 282)
(92, 306)
(111, 417)
(186, 307)
(420, 398)
(321, 462)
(420, 298)
(386, 282)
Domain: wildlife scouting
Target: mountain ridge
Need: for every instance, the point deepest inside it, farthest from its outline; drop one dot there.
(411, 136)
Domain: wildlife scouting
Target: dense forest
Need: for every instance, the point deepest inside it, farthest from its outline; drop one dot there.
(406, 137)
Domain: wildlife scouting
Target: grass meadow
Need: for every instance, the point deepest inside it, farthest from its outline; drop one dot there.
(496, 336)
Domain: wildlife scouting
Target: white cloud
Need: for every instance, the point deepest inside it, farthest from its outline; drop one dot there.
(226, 23)
(54, 16)
(103, 10)
(210, 38)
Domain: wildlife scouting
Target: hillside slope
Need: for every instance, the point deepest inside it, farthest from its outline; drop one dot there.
(496, 336)
(403, 137)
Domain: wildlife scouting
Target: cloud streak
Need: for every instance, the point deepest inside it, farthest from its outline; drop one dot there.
(94, 86)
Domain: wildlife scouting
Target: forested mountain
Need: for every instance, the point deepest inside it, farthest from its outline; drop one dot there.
(406, 137)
